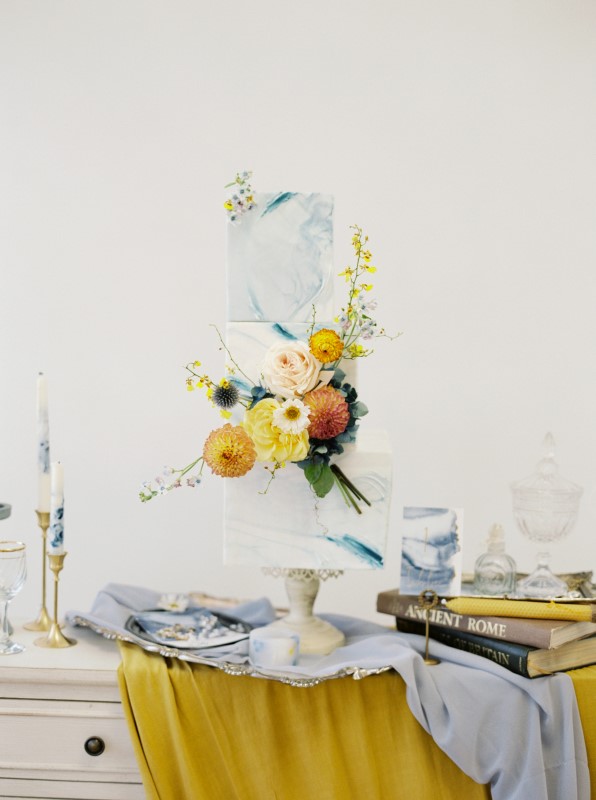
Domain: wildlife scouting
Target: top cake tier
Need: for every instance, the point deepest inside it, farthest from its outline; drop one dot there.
(280, 259)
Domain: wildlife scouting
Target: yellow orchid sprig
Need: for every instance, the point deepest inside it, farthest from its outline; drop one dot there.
(272, 472)
(356, 323)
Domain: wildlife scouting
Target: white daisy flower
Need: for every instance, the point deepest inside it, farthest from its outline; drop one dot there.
(291, 416)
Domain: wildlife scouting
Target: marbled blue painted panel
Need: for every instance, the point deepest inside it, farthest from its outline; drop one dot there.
(431, 550)
(280, 259)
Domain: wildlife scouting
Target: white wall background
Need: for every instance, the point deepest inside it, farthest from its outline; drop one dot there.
(461, 135)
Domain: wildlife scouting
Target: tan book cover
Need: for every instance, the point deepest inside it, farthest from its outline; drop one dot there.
(542, 633)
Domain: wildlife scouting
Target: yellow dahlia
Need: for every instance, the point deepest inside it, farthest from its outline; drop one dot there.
(229, 451)
(326, 345)
(272, 443)
(329, 413)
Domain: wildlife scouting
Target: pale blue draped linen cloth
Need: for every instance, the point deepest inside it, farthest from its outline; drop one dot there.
(521, 736)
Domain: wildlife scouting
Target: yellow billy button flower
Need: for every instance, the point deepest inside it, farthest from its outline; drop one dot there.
(326, 346)
(229, 451)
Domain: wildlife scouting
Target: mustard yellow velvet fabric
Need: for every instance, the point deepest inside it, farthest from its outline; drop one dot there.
(584, 683)
(200, 734)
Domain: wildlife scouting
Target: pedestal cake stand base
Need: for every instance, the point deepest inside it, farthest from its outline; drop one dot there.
(317, 637)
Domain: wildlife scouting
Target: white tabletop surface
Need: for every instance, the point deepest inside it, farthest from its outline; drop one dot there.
(92, 651)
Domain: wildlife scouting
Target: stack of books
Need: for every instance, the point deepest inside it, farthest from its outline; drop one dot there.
(529, 646)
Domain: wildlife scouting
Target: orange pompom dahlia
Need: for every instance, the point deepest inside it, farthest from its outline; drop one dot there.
(329, 413)
(229, 451)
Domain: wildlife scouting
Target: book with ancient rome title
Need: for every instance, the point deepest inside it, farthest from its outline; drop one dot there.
(541, 633)
(530, 662)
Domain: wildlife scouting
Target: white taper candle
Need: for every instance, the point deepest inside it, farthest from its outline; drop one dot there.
(43, 444)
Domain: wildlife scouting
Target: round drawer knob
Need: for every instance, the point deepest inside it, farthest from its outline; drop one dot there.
(94, 746)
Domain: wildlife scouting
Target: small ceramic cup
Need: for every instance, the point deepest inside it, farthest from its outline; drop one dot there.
(273, 647)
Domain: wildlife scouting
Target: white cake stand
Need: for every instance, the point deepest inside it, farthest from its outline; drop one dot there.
(317, 637)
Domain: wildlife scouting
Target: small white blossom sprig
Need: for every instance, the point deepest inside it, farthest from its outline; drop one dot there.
(169, 479)
(241, 197)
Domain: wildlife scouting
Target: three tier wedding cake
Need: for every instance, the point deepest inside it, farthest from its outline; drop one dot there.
(280, 278)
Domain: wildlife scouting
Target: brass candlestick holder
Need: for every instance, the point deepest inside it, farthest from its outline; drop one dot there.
(427, 600)
(55, 637)
(43, 621)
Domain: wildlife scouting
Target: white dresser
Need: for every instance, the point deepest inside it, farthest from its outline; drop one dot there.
(62, 727)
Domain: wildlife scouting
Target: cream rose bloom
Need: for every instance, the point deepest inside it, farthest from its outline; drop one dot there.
(290, 369)
(270, 442)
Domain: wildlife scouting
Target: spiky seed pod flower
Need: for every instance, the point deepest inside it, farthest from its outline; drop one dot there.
(326, 345)
(225, 395)
(329, 413)
(229, 451)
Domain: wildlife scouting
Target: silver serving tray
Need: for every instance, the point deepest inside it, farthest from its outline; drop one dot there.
(239, 667)
(194, 629)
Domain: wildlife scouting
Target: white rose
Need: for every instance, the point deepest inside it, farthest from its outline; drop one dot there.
(290, 369)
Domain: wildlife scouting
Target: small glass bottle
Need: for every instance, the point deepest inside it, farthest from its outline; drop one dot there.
(495, 571)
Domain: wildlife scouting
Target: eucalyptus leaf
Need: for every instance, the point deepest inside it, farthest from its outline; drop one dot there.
(359, 409)
(312, 471)
(320, 478)
(258, 393)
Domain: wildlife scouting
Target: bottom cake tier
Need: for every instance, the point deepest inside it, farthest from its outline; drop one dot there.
(289, 526)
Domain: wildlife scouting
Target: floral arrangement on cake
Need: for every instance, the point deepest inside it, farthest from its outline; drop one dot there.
(302, 411)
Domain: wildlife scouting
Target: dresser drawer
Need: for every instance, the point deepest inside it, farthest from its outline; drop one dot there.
(88, 789)
(53, 701)
(46, 739)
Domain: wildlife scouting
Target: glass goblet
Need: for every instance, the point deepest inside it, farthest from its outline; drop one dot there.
(13, 571)
(545, 506)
